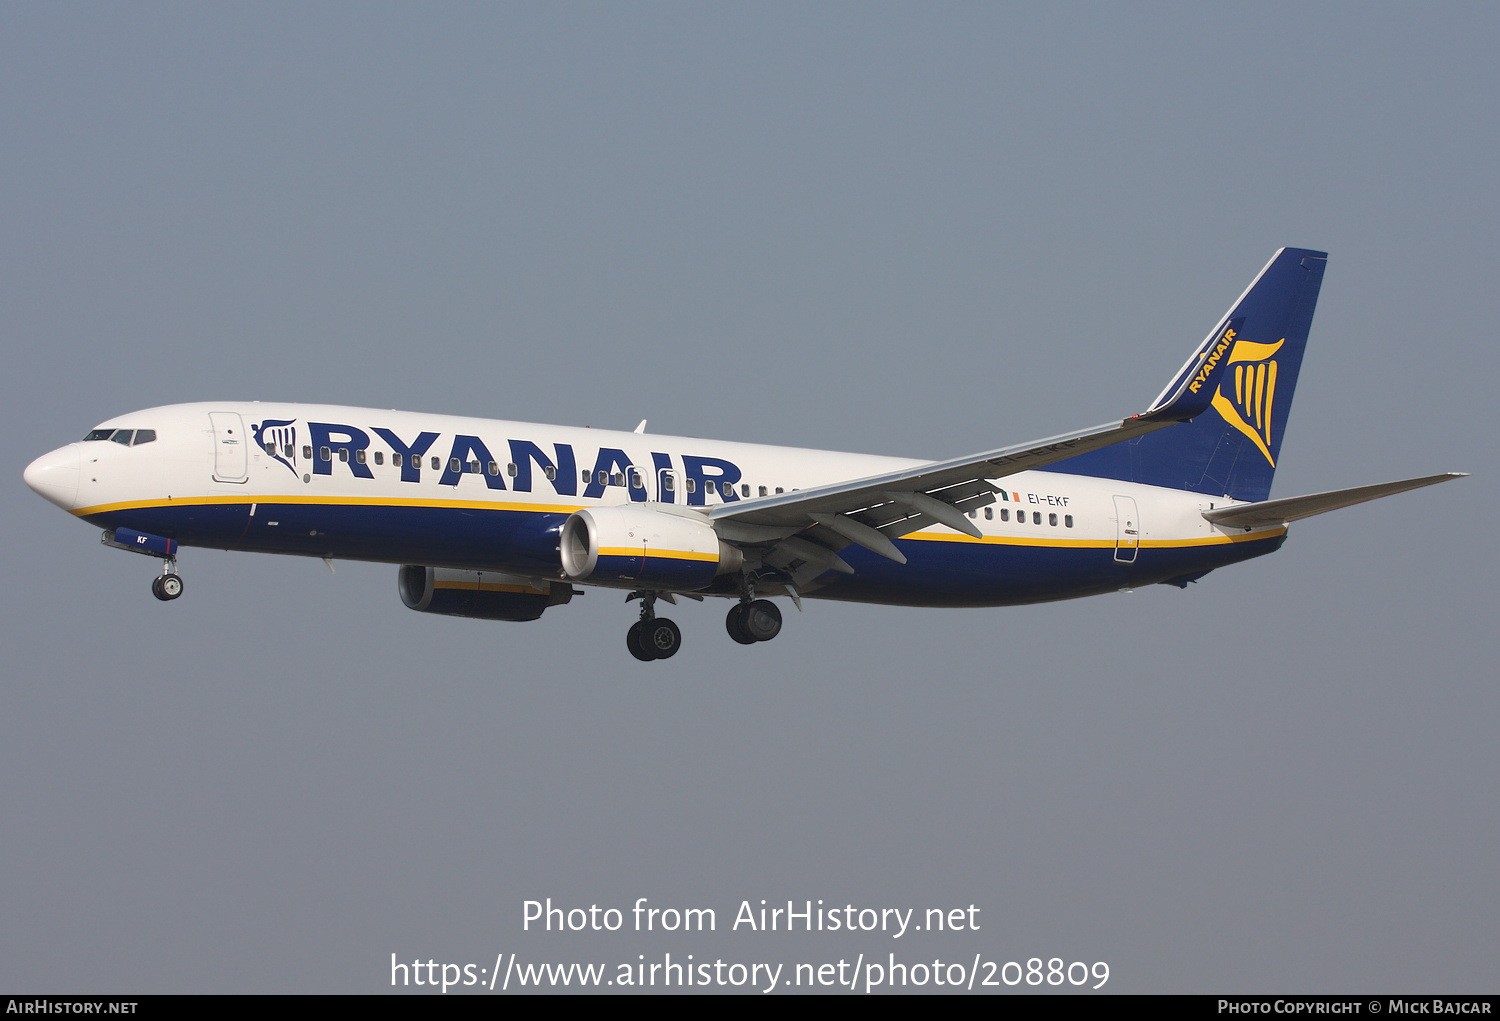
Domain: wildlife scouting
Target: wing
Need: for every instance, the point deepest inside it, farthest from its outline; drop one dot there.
(803, 531)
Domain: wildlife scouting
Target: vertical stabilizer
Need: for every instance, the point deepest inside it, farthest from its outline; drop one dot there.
(1231, 449)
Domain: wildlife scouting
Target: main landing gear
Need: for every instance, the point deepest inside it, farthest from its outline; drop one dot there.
(750, 620)
(168, 585)
(652, 637)
(755, 621)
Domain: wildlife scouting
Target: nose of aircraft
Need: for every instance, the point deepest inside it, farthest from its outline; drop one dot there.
(54, 476)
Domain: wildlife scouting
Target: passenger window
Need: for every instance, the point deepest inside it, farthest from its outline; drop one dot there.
(602, 478)
(780, 490)
(511, 469)
(550, 472)
(344, 454)
(1068, 520)
(668, 482)
(324, 454)
(762, 490)
(380, 457)
(584, 476)
(989, 514)
(710, 486)
(494, 468)
(1052, 520)
(973, 514)
(692, 485)
(454, 464)
(1036, 517)
(307, 453)
(122, 436)
(1004, 513)
(396, 460)
(617, 479)
(286, 451)
(745, 490)
(637, 480)
(144, 436)
(359, 455)
(437, 462)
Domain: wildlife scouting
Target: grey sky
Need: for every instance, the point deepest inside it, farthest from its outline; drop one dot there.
(911, 230)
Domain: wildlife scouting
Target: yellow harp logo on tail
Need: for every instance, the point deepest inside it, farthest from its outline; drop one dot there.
(1254, 392)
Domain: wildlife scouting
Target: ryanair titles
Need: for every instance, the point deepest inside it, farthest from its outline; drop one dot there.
(514, 467)
(1212, 360)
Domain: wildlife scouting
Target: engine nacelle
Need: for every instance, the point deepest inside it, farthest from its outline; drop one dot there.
(636, 546)
(489, 595)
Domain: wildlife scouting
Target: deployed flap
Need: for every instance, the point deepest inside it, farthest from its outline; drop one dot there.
(1278, 512)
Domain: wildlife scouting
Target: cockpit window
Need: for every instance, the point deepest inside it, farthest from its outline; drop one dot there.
(124, 437)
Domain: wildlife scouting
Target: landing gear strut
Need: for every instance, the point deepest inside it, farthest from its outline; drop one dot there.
(652, 637)
(168, 585)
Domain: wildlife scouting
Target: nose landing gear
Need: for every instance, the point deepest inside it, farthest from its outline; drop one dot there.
(652, 637)
(168, 585)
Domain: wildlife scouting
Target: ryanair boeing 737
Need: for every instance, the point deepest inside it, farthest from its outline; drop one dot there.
(500, 520)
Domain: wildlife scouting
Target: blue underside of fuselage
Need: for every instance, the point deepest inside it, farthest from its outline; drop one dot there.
(937, 573)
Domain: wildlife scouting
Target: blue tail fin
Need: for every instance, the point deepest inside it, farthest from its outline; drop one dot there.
(1230, 449)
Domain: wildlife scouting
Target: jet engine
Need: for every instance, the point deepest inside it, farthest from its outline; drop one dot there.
(635, 546)
(485, 594)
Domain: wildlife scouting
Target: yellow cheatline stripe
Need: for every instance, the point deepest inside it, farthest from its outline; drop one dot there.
(1007, 540)
(486, 587)
(332, 501)
(669, 554)
(544, 508)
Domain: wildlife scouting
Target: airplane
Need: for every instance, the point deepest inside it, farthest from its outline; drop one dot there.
(501, 520)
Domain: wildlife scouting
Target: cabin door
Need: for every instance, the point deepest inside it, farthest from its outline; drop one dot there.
(231, 449)
(1127, 529)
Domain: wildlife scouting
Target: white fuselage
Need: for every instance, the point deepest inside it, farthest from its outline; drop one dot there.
(325, 481)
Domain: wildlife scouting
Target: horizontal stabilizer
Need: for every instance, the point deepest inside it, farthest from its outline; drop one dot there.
(1279, 512)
